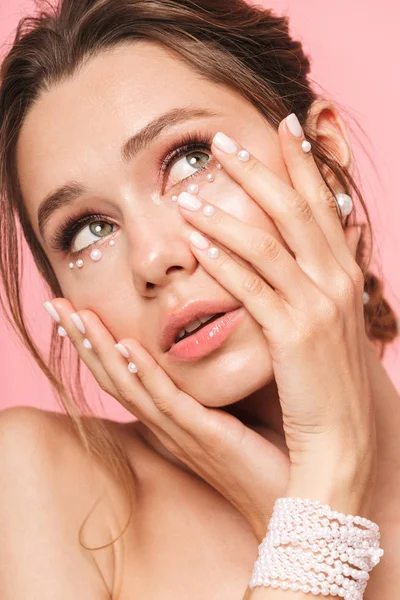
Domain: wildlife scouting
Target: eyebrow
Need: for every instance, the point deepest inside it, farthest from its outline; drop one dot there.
(69, 192)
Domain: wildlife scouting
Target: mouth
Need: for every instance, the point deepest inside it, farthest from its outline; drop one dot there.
(187, 334)
(206, 337)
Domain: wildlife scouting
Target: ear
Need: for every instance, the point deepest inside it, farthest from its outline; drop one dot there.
(325, 124)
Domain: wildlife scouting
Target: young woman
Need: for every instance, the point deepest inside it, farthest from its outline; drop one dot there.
(189, 202)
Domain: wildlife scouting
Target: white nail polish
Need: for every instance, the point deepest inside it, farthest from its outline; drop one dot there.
(87, 344)
(198, 240)
(224, 143)
(62, 332)
(52, 311)
(213, 252)
(122, 350)
(294, 125)
(243, 155)
(188, 201)
(132, 368)
(306, 146)
(208, 211)
(78, 322)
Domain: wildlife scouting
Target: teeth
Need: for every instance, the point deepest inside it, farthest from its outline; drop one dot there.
(194, 325)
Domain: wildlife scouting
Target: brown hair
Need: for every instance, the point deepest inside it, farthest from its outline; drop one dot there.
(246, 48)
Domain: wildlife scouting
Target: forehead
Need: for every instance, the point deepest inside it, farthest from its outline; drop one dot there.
(77, 127)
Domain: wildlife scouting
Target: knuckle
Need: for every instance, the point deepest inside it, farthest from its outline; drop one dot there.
(265, 245)
(252, 284)
(164, 405)
(251, 167)
(299, 207)
(326, 198)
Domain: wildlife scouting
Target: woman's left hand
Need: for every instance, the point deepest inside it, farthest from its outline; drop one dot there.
(309, 303)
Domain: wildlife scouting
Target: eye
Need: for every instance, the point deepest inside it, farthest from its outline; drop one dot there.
(98, 229)
(188, 165)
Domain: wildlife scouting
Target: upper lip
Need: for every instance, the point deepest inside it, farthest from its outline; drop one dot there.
(188, 313)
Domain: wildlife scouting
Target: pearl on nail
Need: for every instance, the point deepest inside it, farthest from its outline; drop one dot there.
(243, 155)
(345, 204)
(132, 368)
(306, 146)
(79, 263)
(213, 252)
(208, 211)
(96, 254)
(193, 188)
(87, 344)
(210, 177)
(62, 332)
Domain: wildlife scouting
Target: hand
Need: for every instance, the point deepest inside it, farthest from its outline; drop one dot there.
(309, 305)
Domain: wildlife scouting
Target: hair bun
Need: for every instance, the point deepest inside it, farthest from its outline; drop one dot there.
(380, 319)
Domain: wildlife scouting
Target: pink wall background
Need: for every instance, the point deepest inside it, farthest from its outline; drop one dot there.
(355, 56)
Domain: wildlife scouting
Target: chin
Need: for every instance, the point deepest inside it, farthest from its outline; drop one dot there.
(239, 369)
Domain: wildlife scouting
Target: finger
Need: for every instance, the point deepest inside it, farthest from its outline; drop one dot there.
(259, 248)
(290, 211)
(74, 329)
(261, 301)
(309, 183)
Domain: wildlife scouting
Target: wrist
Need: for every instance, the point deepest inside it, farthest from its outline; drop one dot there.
(345, 480)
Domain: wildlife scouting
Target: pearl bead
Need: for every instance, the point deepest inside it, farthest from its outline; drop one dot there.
(71, 265)
(219, 166)
(306, 146)
(174, 198)
(111, 243)
(96, 254)
(193, 188)
(243, 155)
(345, 203)
(210, 177)
(79, 263)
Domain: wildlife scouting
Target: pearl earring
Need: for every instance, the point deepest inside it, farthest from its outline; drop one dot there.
(345, 204)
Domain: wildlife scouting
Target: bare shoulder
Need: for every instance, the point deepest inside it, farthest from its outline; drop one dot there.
(49, 486)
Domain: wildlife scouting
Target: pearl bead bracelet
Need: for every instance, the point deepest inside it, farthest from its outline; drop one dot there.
(311, 548)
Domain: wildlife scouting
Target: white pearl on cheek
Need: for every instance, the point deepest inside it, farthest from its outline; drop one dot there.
(96, 254)
(193, 188)
(79, 263)
(219, 166)
(174, 198)
(71, 265)
(210, 177)
(111, 243)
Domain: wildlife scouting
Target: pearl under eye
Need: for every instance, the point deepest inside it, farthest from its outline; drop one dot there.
(98, 229)
(188, 165)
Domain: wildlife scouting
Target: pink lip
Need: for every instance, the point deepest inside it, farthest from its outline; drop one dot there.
(208, 338)
(188, 313)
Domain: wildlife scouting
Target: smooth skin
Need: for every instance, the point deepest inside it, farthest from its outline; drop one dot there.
(309, 330)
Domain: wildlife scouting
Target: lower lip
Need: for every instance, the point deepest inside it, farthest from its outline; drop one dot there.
(208, 338)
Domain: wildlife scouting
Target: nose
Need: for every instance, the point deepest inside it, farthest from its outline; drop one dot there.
(159, 253)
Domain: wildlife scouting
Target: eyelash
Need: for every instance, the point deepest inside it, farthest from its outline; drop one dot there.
(189, 142)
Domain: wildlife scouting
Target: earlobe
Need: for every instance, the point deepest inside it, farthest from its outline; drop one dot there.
(325, 124)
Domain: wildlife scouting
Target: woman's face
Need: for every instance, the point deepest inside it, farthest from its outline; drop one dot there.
(75, 133)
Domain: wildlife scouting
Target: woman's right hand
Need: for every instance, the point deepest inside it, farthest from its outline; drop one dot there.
(248, 470)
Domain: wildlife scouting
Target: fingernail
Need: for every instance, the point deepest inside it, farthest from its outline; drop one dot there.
(294, 125)
(189, 201)
(62, 332)
(225, 143)
(87, 344)
(132, 368)
(78, 322)
(198, 240)
(122, 349)
(52, 311)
